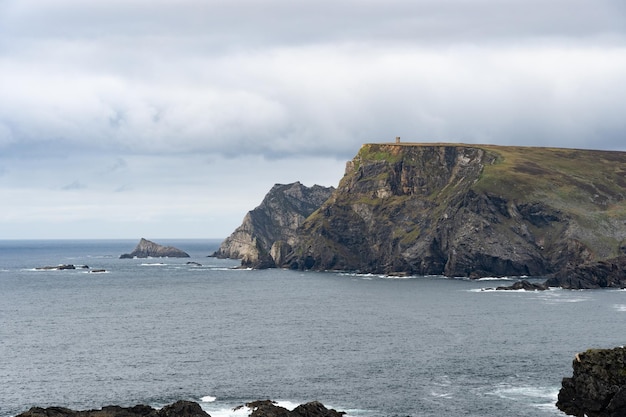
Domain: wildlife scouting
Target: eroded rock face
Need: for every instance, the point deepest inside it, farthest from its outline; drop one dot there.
(597, 387)
(610, 273)
(469, 211)
(148, 249)
(274, 221)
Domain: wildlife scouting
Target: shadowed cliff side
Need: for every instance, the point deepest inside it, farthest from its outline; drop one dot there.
(269, 230)
(467, 210)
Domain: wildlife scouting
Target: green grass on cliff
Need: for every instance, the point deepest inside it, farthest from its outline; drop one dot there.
(580, 178)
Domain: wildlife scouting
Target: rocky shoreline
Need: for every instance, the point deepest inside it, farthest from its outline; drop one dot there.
(261, 408)
(597, 387)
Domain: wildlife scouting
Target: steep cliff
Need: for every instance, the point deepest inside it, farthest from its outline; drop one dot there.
(268, 231)
(597, 387)
(467, 210)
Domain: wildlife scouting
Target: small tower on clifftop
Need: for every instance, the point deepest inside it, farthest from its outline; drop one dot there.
(397, 140)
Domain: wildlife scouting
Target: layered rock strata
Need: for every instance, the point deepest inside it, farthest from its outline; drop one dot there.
(468, 211)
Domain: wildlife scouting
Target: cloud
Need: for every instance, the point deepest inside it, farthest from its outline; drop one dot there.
(210, 103)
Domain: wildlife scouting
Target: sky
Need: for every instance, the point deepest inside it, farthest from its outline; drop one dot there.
(173, 118)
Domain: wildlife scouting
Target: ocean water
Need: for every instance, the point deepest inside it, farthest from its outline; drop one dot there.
(158, 330)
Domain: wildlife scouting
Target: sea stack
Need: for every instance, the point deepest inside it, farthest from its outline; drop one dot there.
(148, 249)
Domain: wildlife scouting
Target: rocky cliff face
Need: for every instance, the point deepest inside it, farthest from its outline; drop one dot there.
(597, 387)
(469, 211)
(268, 231)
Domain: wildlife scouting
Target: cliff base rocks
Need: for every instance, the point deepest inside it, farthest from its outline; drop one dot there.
(597, 387)
(148, 249)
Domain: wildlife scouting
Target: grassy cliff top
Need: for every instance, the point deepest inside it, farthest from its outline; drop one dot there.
(589, 178)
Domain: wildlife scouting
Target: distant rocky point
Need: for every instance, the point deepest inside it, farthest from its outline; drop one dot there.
(148, 249)
(597, 387)
(268, 231)
(263, 408)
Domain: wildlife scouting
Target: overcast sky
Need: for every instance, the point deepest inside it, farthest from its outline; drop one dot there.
(172, 119)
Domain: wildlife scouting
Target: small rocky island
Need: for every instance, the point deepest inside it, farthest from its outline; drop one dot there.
(148, 249)
(263, 408)
(597, 387)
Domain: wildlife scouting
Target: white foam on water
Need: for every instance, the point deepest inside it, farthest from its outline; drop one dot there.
(540, 397)
(154, 264)
(619, 307)
(208, 399)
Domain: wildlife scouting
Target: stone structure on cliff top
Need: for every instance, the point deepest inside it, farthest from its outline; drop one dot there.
(459, 211)
(597, 387)
(148, 249)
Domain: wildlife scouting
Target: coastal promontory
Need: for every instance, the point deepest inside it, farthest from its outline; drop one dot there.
(148, 249)
(463, 211)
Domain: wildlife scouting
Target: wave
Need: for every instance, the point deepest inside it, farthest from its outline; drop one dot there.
(539, 397)
(154, 264)
(619, 307)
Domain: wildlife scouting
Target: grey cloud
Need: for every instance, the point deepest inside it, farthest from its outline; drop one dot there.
(76, 185)
(249, 22)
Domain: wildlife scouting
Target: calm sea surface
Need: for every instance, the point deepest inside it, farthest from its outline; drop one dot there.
(158, 330)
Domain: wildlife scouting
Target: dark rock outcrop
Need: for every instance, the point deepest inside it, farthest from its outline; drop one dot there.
(610, 273)
(61, 267)
(597, 387)
(178, 409)
(268, 408)
(466, 211)
(524, 285)
(263, 408)
(148, 249)
(268, 231)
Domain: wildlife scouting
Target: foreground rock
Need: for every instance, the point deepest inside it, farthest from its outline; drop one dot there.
(178, 409)
(148, 249)
(268, 231)
(598, 385)
(265, 408)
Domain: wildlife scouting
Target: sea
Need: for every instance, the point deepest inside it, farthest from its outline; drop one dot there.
(154, 331)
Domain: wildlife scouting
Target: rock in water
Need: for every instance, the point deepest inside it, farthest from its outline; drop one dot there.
(597, 387)
(268, 231)
(263, 408)
(268, 408)
(178, 409)
(148, 249)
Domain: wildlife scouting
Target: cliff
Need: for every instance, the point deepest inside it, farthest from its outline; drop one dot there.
(467, 211)
(270, 229)
(148, 249)
(597, 387)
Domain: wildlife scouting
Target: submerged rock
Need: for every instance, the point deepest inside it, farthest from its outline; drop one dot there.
(148, 249)
(597, 387)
